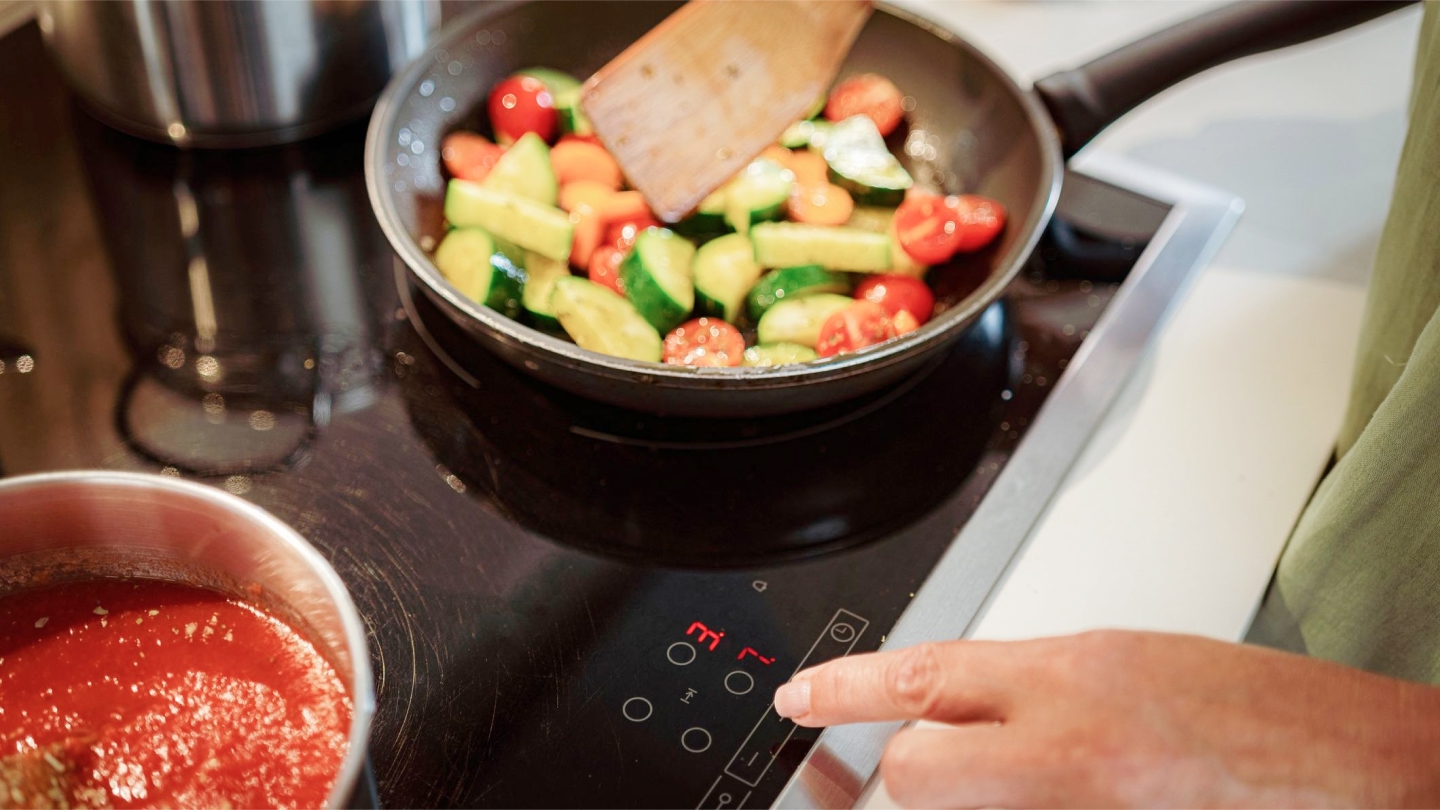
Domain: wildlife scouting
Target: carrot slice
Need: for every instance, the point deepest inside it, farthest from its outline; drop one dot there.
(623, 206)
(469, 156)
(589, 233)
(576, 160)
(820, 205)
(584, 195)
(809, 167)
(777, 153)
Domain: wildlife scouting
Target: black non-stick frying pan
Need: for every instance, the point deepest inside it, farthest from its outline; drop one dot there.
(973, 129)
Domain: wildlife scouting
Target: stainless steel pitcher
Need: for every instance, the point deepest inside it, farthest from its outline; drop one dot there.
(233, 72)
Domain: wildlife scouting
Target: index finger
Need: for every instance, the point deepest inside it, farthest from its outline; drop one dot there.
(951, 682)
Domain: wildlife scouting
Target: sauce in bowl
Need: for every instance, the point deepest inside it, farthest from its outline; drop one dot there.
(143, 693)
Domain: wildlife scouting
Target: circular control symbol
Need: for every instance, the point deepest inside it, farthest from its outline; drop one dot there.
(637, 710)
(680, 653)
(842, 633)
(739, 682)
(696, 740)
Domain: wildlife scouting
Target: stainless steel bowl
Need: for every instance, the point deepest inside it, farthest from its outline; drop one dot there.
(69, 525)
(232, 73)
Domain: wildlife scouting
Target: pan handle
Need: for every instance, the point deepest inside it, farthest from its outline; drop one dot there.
(1085, 100)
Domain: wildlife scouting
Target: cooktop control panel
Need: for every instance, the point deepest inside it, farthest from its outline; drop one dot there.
(753, 759)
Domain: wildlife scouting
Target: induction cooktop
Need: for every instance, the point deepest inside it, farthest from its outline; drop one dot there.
(567, 604)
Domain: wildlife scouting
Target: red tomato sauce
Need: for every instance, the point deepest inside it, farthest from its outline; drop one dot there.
(142, 693)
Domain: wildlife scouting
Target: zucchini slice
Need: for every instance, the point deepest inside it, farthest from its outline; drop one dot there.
(543, 273)
(659, 278)
(882, 220)
(786, 244)
(799, 320)
(708, 220)
(758, 193)
(601, 321)
(861, 163)
(793, 282)
(725, 270)
(807, 133)
(468, 259)
(544, 229)
(525, 170)
(778, 354)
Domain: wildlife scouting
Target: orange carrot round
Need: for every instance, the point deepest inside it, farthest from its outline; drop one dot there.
(576, 160)
(820, 204)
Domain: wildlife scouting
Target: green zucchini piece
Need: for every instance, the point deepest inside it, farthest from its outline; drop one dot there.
(658, 277)
(543, 272)
(862, 164)
(799, 320)
(787, 244)
(725, 270)
(882, 220)
(758, 193)
(467, 258)
(601, 321)
(806, 133)
(542, 228)
(788, 283)
(778, 354)
(707, 221)
(525, 170)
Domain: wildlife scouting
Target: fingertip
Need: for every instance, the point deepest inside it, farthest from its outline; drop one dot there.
(792, 700)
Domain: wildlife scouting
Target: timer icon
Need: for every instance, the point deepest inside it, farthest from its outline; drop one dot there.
(842, 633)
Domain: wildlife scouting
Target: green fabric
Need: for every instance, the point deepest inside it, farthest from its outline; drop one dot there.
(1359, 581)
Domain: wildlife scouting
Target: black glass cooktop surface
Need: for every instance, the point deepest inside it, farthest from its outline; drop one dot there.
(568, 604)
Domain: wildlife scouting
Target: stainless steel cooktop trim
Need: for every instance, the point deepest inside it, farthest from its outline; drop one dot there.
(839, 770)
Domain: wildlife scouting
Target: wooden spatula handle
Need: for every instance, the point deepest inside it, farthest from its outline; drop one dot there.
(699, 96)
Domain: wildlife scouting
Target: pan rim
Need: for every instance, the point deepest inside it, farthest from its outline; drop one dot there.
(496, 326)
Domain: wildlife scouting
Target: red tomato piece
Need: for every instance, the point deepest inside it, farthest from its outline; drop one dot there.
(896, 294)
(928, 228)
(622, 234)
(522, 104)
(980, 218)
(604, 268)
(469, 156)
(704, 342)
(870, 95)
(863, 323)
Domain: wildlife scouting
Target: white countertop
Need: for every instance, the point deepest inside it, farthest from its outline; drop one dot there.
(1173, 517)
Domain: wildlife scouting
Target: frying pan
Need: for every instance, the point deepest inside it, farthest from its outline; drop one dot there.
(973, 129)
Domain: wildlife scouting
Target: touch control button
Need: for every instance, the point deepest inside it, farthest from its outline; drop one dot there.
(696, 740)
(680, 653)
(637, 710)
(842, 632)
(739, 682)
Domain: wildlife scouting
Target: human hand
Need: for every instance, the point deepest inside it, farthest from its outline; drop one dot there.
(1116, 718)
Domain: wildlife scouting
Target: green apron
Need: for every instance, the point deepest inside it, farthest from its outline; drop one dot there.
(1359, 581)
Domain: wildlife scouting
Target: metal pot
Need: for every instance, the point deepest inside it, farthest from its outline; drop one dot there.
(94, 523)
(232, 73)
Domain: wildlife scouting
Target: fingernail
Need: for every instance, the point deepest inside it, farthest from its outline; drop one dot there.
(793, 699)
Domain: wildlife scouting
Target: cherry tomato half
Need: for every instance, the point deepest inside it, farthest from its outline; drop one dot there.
(622, 234)
(863, 323)
(980, 218)
(929, 230)
(897, 294)
(469, 156)
(704, 342)
(870, 95)
(522, 104)
(604, 268)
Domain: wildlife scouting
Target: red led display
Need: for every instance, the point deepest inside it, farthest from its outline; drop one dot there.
(703, 633)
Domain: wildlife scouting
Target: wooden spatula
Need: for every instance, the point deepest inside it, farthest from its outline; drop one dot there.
(699, 96)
